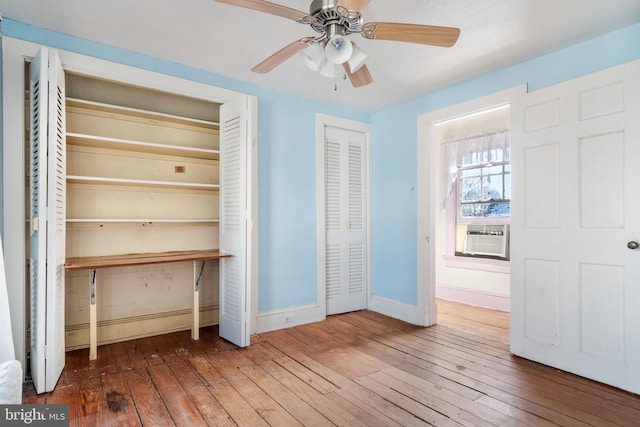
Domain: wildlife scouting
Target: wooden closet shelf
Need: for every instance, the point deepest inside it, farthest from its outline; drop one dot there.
(142, 220)
(77, 179)
(137, 112)
(84, 263)
(86, 140)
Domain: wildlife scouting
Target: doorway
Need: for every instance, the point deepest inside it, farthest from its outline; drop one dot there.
(453, 268)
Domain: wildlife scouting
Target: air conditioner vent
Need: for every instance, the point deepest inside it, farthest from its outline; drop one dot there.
(487, 239)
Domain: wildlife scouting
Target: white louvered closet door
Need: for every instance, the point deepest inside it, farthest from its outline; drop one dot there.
(47, 218)
(235, 198)
(345, 220)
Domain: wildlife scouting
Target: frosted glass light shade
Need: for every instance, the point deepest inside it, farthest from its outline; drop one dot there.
(328, 70)
(338, 49)
(357, 59)
(313, 56)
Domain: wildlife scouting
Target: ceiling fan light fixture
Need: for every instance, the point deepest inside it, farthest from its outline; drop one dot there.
(357, 58)
(338, 49)
(328, 70)
(314, 56)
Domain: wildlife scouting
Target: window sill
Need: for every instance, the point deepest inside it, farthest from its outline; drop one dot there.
(483, 264)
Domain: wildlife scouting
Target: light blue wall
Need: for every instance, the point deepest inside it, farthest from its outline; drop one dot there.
(394, 147)
(286, 162)
(287, 199)
(286, 126)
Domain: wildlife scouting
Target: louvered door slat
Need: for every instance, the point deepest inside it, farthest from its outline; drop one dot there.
(356, 180)
(333, 186)
(356, 269)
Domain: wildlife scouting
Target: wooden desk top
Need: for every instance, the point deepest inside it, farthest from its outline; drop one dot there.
(82, 263)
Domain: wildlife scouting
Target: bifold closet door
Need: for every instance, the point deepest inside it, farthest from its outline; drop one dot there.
(236, 137)
(47, 218)
(345, 220)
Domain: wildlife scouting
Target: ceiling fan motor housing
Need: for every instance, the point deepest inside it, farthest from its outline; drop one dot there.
(321, 5)
(330, 18)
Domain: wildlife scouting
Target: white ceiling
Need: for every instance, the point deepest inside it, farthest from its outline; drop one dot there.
(228, 40)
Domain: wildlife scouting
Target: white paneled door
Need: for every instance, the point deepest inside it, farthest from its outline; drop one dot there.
(345, 191)
(575, 266)
(47, 218)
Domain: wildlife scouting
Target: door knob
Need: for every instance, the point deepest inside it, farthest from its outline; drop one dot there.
(632, 245)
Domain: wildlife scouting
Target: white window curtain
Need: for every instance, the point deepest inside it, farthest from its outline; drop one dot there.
(471, 150)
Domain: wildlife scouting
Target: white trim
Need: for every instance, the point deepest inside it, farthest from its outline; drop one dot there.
(252, 214)
(474, 297)
(413, 314)
(427, 194)
(296, 316)
(134, 327)
(472, 263)
(426, 225)
(14, 54)
(322, 121)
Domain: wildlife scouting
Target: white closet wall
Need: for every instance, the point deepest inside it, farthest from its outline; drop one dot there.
(142, 176)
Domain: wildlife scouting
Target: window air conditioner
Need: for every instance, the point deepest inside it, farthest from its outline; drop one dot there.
(487, 239)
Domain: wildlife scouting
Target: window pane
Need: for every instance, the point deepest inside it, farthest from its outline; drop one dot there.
(507, 186)
(471, 172)
(492, 187)
(470, 189)
(498, 209)
(473, 210)
(484, 210)
(485, 184)
(492, 170)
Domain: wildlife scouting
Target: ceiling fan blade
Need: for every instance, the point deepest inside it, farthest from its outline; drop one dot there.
(411, 33)
(280, 56)
(361, 77)
(358, 5)
(267, 7)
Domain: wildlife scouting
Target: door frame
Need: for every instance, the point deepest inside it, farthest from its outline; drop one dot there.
(15, 52)
(323, 121)
(428, 203)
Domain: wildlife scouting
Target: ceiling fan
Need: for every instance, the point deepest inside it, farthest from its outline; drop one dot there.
(334, 20)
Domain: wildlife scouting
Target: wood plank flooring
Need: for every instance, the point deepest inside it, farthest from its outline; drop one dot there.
(355, 369)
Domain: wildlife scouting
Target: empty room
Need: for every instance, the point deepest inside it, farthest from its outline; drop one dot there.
(320, 212)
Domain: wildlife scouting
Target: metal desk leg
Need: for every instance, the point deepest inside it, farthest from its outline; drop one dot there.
(195, 325)
(93, 317)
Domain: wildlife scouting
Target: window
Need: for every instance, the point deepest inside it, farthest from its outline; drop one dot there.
(481, 188)
(484, 186)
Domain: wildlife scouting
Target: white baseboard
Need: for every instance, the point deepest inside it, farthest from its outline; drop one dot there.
(281, 319)
(474, 297)
(409, 313)
(129, 328)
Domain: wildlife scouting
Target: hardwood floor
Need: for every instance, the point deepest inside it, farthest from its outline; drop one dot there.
(355, 369)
